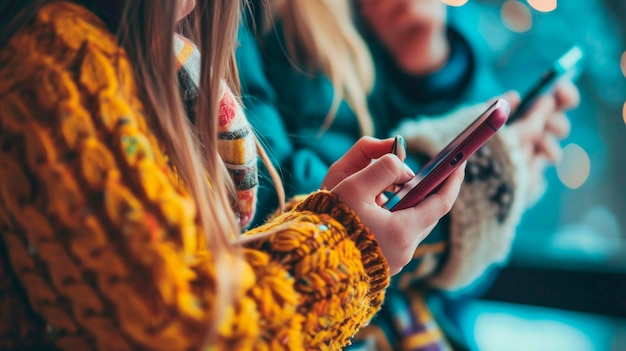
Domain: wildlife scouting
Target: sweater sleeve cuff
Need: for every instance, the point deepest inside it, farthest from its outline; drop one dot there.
(490, 203)
(325, 202)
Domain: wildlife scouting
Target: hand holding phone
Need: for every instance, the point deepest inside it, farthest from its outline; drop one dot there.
(358, 178)
(433, 174)
(568, 66)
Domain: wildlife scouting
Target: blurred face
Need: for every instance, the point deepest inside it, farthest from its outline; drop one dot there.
(184, 8)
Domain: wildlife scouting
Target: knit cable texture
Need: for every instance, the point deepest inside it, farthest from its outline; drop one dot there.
(102, 247)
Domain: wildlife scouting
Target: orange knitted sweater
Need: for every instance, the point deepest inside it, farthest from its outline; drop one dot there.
(99, 245)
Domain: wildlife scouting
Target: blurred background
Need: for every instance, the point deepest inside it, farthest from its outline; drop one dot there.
(565, 286)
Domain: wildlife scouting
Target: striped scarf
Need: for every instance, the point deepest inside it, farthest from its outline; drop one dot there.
(236, 144)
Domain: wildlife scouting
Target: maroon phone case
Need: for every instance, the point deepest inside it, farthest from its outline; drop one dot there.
(432, 175)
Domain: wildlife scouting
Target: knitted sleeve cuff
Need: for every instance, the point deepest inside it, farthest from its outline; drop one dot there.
(491, 200)
(325, 202)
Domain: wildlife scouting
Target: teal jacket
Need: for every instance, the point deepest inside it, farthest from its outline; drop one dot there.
(288, 105)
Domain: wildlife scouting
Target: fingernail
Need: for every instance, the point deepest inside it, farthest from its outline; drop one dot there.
(402, 142)
(399, 147)
(394, 146)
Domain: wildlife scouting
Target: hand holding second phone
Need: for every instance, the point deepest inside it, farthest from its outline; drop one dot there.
(542, 127)
(359, 182)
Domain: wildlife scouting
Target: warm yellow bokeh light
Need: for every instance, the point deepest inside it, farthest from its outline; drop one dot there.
(454, 2)
(516, 16)
(624, 113)
(623, 63)
(543, 5)
(574, 166)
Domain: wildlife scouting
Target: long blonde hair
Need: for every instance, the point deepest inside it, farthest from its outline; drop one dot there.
(145, 28)
(320, 34)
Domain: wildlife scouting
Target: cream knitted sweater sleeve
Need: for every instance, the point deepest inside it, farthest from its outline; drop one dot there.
(491, 201)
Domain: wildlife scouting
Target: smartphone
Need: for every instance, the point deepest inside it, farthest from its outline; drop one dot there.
(433, 173)
(568, 66)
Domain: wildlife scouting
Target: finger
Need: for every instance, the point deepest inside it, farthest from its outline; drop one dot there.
(536, 177)
(512, 97)
(362, 153)
(558, 125)
(440, 202)
(539, 165)
(537, 168)
(393, 188)
(549, 147)
(567, 95)
(533, 122)
(399, 147)
(381, 199)
(373, 179)
(359, 156)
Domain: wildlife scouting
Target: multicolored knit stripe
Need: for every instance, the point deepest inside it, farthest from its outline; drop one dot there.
(236, 143)
(423, 333)
(426, 259)
(404, 323)
(238, 151)
(188, 67)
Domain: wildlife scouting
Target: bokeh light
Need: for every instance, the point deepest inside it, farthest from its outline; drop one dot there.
(623, 63)
(574, 166)
(516, 16)
(624, 113)
(514, 328)
(454, 2)
(598, 235)
(543, 5)
(605, 223)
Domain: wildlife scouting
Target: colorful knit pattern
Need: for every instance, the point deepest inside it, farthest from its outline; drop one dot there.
(404, 324)
(236, 141)
(99, 246)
